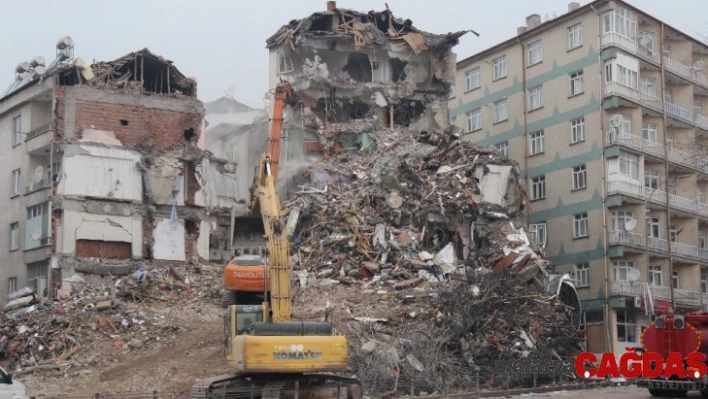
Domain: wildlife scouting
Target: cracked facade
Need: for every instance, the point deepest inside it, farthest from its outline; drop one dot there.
(353, 73)
(105, 171)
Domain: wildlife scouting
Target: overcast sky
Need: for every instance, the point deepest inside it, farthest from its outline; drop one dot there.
(222, 43)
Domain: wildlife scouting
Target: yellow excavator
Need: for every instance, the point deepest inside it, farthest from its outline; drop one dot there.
(272, 356)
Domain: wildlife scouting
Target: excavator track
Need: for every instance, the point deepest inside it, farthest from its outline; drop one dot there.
(310, 386)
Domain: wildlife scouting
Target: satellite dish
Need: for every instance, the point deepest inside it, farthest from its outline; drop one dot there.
(633, 274)
(37, 61)
(38, 174)
(36, 235)
(22, 67)
(699, 66)
(40, 70)
(616, 120)
(630, 224)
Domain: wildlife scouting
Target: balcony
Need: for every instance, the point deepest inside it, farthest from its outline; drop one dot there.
(40, 130)
(657, 150)
(644, 99)
(639, 191)
(639, 241)
(679, 113)
(629, 45)
(36, 186)
(681, 296)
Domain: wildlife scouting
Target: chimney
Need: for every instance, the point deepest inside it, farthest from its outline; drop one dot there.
(331, 5)
(520, 30)
(533, 21)
(573, 6)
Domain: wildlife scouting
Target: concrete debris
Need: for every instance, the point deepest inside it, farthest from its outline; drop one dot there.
(59, 335)
(448, 263)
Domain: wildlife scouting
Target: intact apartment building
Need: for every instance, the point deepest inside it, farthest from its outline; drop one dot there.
(604, 108)
(102, 171)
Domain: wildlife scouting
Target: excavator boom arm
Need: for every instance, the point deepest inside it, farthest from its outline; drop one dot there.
(265, 199)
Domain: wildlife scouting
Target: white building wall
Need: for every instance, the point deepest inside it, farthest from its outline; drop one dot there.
(86, 226)
(169, 240)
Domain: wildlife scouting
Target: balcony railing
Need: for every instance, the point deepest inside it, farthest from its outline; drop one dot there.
(36, 186)
(644, 99)
(40, 130)
(630, 45)
(656, 149)
(681, 296)
(616, 186)
(679, 113)
(700, 121)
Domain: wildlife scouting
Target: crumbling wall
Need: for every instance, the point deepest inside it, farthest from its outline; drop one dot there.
(169, 236)
(79, 225)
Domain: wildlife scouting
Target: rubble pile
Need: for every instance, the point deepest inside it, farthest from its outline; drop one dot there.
(436, 277)
(122, 313)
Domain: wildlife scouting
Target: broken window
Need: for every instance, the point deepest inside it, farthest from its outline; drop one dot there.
(285, 62)
(359, 67)
(398, 67)
(406, 112)
(189, 134)
(37, 277)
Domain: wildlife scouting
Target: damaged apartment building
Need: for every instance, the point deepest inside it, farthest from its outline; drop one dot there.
(354, 73)
(103, 171)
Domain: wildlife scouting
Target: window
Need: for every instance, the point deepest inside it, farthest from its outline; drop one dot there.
(499, 67)
(285, 63)
(673, 233)
(472, 78)
(538, 187)
(11, 285)
(37, 226)
(37, 277)
(503, 147)
(669, 96)
(626, 325)
(579, 177)
(704, 285)
(701, 239)
(654, 276)
(576, 83)
(537, 231)
(582, 275)
(534, 53)
(649, 132)
(621, 21)
(675, 279)
(16, 130)
(648, 86)
(575, 36)
(14, 236)
(577, 130)
(15, 182)
(536, 97)
(54, 172)
(474, 120)
(620, 219)
(580, 225)
(621, 269)
(651, 179)
(536, 142)
(624, 127)
(501, 112)
(653, 228)
(629, 165)
(646, 42)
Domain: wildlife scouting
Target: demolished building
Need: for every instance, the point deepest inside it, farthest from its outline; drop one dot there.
(106, 170)
(350, 69)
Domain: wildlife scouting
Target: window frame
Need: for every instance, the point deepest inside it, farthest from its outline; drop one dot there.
(14, 236)
(537, 230)
(16, 183)
(577, 129)
(628, 324)
(620, 219)
(501, 105)
(469, 118)
(499, 68)
(503, 148)
(676, 280)
(652, 272)
(582, 275)
(17, 130)
(576, 81)
(537, 144)
(580, 177)
(11, 285)
(285, 63)
(472, 73)
(534, 53)
(580, 223)
(538, 188)
(575, 33)
(535, 97)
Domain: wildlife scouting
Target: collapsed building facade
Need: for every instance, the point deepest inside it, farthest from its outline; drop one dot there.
(349, 70)
(106, 171)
